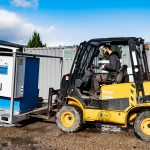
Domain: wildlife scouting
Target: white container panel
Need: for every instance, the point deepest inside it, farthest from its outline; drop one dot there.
(6, 64)
(6, 72)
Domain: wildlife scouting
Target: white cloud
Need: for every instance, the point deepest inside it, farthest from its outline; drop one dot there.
(16, 29)
(25, 3)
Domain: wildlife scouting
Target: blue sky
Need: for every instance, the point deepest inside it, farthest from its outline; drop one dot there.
(67, 22)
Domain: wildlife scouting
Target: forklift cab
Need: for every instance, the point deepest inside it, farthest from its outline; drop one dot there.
(84, 63)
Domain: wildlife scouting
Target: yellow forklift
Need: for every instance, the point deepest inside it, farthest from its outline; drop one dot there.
(119, 102)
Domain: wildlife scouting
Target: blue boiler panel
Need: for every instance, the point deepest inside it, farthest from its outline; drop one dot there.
(29, 100)
(30, 93)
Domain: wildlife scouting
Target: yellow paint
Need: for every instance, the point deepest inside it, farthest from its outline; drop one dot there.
(132, 117)
(145, 126)
(114, 91)
(99, 115)
(146, 86)
(142, 105)
(68, 119)
(140, 93)
(132, 96)
(136, 109)
(105, 116)
(74, 101)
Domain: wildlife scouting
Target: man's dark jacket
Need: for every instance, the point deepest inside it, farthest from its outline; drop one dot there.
(114, 64)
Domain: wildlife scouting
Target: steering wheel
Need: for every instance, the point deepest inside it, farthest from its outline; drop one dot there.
(91, 69)
(94, 66)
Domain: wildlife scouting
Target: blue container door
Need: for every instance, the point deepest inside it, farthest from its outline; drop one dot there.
(29, 101)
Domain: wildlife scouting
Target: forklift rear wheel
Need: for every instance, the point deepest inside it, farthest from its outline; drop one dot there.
(69, 118)
(142, 126)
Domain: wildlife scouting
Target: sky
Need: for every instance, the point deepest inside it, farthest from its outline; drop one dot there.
(69, 22)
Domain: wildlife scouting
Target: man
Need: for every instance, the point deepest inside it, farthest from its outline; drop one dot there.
(112, 67)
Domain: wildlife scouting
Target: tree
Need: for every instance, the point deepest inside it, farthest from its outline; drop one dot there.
(35, 41)
(117, 48)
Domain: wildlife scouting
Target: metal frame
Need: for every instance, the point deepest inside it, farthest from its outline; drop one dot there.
(13, 88)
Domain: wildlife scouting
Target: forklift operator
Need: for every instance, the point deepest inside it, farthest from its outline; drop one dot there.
(112, 67)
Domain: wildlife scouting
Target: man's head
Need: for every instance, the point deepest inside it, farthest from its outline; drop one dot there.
(107, 49)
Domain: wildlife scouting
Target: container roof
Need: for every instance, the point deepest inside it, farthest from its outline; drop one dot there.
(6, 43)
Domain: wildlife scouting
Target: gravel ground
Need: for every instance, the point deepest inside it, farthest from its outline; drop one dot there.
(45, 135)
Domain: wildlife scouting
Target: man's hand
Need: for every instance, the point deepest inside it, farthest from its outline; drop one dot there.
(103, 67)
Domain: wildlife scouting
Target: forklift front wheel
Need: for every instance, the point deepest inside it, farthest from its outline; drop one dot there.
(69, 118)
(142, 126)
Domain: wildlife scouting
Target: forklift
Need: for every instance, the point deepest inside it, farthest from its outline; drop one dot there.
(120, 102)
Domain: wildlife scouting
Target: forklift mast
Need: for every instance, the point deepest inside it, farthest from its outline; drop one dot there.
(139, 65)
(85, 55)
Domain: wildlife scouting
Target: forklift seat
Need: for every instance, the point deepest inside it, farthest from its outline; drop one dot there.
(122, 76)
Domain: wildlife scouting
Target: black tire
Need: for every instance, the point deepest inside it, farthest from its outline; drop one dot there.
(73, 120)
(142, 126)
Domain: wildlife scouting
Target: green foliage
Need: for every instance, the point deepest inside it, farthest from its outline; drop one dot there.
(35, 41)
(101, 55)
(117, 48)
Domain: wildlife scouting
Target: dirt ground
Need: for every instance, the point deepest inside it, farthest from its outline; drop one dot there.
(45, 135)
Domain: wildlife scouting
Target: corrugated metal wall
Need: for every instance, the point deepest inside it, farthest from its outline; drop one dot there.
(50, 68)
